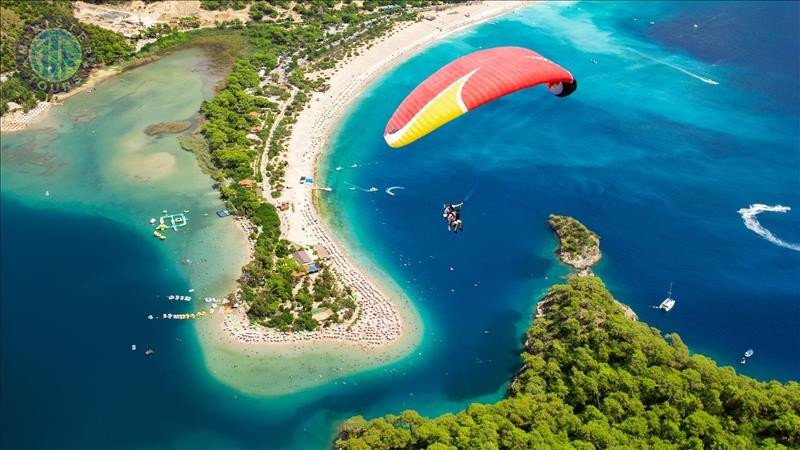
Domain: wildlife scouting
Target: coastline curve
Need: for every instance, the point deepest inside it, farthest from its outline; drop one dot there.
(279, 363)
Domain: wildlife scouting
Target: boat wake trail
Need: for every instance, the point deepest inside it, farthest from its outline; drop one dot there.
(750, 217)
(353, 187)
(678, 68)
(391, 190)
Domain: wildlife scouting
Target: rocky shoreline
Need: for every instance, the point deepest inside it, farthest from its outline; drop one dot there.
(578, 248)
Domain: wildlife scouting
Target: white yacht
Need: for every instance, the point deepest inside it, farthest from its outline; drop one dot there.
(668, 302)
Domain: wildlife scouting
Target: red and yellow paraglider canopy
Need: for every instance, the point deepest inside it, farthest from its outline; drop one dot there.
(469, 82)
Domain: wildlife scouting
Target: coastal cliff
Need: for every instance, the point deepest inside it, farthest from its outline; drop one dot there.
(593, 378)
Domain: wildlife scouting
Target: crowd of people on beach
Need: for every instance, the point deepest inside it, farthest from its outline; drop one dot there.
(376, 321)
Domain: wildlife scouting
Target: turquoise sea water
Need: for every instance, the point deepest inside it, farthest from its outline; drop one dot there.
(654, 159)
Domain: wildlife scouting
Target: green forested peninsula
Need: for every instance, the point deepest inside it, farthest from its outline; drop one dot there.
(247, 126)
(592, 377)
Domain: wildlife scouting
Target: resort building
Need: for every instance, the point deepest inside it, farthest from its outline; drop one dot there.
(303, 258)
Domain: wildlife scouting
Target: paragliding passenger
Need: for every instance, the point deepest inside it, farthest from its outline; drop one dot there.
(457, 226)
(448, 209)
(452, 213)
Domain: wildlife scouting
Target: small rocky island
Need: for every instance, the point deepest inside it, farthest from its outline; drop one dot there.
(578, 247)
(593, 378)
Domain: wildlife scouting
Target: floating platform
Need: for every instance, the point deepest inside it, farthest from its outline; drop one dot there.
(173, 221)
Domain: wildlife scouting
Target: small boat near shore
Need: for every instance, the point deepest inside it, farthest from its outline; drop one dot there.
(747, 354)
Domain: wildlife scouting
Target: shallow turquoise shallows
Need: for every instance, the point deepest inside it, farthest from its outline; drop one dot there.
(672, 130)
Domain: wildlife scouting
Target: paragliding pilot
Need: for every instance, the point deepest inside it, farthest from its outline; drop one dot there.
(452, 213)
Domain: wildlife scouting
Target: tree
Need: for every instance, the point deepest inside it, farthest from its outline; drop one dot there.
(593, 378)
(108, 47)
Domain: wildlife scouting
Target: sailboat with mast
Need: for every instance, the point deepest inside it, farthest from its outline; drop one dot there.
(668, 302)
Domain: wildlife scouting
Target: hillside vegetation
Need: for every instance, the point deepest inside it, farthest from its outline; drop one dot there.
(576, 242)
(107, 47)
(593, 378)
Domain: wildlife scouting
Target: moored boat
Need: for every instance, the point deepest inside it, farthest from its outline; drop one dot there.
(668, 303)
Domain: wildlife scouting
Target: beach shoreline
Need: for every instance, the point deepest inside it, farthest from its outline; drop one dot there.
(304, 223)
(391, 327)
(20, 120)
(312, 132)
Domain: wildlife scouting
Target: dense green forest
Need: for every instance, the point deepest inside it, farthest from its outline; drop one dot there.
(575, 239)
(108, 47)
(592, 378)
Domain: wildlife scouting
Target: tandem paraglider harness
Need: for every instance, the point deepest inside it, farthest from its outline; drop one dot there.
(452, 213)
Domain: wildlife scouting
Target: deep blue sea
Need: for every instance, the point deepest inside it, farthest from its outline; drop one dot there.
(673, 129)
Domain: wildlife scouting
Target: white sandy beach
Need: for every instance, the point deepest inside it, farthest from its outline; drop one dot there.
(20, 120)
(381, 321)
(389, 327)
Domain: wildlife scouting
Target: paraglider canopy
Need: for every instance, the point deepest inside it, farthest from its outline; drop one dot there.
(469, 82)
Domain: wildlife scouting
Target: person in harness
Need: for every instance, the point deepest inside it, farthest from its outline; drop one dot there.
(452, 213)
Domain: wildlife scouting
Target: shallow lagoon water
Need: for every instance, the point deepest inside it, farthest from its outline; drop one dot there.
(653, 159)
